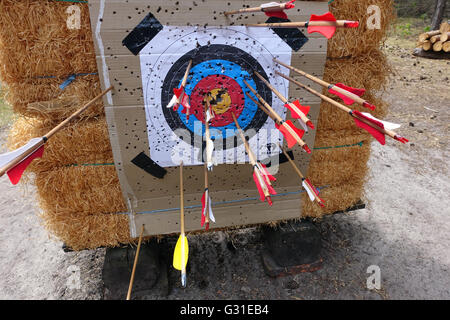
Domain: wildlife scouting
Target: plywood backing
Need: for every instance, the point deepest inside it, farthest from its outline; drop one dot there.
(155, 202)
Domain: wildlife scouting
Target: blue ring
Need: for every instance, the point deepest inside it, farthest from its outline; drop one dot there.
(232, 70)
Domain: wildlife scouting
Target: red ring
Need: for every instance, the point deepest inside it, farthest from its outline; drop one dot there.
(217, 81)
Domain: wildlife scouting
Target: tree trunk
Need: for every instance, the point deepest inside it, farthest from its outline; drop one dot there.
(438, 14)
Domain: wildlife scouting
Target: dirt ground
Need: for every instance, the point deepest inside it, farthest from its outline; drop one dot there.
(405, 228)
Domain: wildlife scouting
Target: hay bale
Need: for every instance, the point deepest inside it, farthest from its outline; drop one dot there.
(36, 42)
(89, 232)
(84, 142)
(361, 40)
(337, 198)
(84, 190)
(43, 99)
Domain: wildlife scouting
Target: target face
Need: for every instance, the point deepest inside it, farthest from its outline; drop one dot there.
(222, 59)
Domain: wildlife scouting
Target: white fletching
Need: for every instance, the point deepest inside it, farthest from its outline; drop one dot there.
(387, 125)
(7, 157)
(269, 5)
(211, 215)
(310, 193)
(172, 102)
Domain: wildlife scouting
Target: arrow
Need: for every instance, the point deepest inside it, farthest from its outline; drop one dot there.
(180, 97)
(209, 142)
(261, 176)
(348, 94)
(377, 128)
(312, 191)
(325, 24)
(181, 253)
(271, 9)
(291, 133)
(15, 162)
(207, 213)
(136, 257)
(297, 110)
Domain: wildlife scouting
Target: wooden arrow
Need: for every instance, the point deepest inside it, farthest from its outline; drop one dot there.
(266, 7)
(181, 253)
(136, 257)
(325, 24)
(15, 162)
(374, 126)
(288, 127)
(260, 174)
(307, 185)
(179, 93)
(295, 110)
(338, 89)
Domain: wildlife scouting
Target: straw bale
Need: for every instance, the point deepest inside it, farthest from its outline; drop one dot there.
(84, 142)
(87, 232)
(44, 99)
(358, 41)
(35, 41)
(84, 190)
(337, 198)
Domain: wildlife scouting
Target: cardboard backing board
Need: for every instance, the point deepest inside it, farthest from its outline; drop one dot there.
(153, 201)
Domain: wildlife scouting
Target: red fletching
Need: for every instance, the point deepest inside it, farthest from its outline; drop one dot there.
(327, 31)
(262, 196)
(294, 113)
(401, 139)
(348, 101)
(290, 4)
(16, 172)
(291, 140)
(310, 124)
(278, 14)
(351, 24)
(316, 192)
(267, 174)
(270, 189)
(203, 209)
(376, 133)
(306, 148)
(178, 91)
(368, 105)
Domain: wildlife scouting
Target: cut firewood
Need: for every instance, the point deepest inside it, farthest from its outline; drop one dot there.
(446, 46)
(426, 45)
(435, 38)
(444, 36)
(445, 27)
(437, 46)
(427, 35)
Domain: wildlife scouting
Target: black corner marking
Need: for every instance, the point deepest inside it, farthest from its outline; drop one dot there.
(281, 158)
(142, 34)
(149, 166)
(292, 36)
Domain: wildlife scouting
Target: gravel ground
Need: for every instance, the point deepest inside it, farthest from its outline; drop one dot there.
(405, 228)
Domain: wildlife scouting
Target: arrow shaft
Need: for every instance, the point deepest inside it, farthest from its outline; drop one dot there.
(249, 151)
(301, 24)
(266, 105)
(275, 115)
(292, 163)
(76, 114)
(323, 97)
(388, 132)
(325, 84)
(277, 7)
(186, 73)
(136, 257)
(49, 134)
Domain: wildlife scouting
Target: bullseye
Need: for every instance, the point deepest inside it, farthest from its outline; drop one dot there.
(221, 100)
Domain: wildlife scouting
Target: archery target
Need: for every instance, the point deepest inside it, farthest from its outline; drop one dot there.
(222, 59)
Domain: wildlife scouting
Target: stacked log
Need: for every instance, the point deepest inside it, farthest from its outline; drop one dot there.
(436, 40)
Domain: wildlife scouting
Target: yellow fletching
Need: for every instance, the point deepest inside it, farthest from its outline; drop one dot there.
(180, 258)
